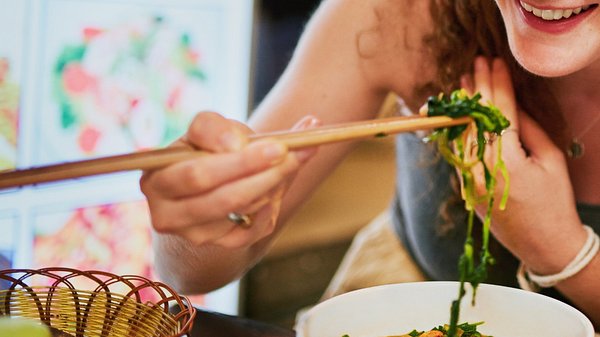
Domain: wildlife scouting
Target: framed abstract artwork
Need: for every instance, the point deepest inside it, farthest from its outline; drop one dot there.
(84, 79)
(121, 76)
(13, 32)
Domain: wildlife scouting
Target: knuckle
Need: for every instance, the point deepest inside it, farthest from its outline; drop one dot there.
(557, 155)
(162, 224)
(190, 210)
(290, 165)
(148, 183)
(198, 126)
(143, 183)
(196, 179)
(230, 201)
(195, 133)
(248, 161)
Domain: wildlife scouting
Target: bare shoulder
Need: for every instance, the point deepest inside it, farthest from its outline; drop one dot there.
(388, 37)
(393, 52)
(351, 54)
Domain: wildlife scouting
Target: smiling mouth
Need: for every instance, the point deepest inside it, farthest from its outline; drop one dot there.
(555, 14)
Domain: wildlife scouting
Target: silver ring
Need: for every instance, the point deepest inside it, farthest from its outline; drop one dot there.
(505, 131)
(242, 220)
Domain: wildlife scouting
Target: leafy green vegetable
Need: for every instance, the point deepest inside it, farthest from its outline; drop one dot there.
(463, 330)
(487, 120)
(415, 333)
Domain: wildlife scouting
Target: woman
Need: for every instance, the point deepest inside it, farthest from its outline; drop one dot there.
(216, 216)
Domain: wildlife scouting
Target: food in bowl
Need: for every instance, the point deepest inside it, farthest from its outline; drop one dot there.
(462, 330)
(396, 309)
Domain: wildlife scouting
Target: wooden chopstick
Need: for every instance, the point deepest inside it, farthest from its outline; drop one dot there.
(153, 159)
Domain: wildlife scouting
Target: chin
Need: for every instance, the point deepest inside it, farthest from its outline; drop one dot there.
(544, 70)
(547, 63)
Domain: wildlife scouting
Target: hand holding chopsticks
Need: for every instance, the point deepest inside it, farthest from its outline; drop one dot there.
(153, 159)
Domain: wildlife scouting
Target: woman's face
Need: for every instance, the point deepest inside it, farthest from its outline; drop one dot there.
(553, 37)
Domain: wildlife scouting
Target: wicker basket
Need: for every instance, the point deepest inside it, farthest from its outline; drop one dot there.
(108, 306)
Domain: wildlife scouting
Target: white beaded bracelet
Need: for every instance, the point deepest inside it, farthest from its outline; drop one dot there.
(532, 282)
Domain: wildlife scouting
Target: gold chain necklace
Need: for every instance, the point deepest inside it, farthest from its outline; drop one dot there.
(576, 149)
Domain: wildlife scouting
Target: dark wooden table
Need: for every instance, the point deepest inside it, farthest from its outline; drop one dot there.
(213, 324)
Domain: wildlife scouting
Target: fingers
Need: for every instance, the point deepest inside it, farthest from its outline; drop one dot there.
(212, 132)
(307, 122)
(265, 220)
(206, 173)
(201, 175)
(503, 92)
(175, 215)
(494, 83)
(466, 82)
(483, 80)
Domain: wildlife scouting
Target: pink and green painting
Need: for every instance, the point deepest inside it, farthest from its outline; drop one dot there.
(114, 238)
(125, 87)
(9, 116)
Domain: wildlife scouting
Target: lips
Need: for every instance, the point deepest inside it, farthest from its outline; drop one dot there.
(554, 14)
(554, 20)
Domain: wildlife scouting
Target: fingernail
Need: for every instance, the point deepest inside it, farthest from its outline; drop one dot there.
(307, 122)
(274, 152)
(424, 110)
(232, 141)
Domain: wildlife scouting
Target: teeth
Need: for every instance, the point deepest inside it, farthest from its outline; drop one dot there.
(548, 14)
(553, 14)
(567, 12)
(557, 14)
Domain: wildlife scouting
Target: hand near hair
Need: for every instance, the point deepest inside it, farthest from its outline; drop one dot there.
(540, 225)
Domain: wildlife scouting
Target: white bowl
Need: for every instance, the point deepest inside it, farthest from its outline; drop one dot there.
(399, 308)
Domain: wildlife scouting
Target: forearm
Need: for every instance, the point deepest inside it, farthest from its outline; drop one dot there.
(583, 289)
(200, 269)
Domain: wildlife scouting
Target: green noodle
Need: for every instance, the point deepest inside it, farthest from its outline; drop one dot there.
(487, 120)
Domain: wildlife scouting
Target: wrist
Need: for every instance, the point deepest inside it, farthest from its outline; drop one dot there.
(530, 280)
(549, 251)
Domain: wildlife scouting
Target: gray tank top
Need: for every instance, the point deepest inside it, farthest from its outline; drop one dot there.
(433, 229)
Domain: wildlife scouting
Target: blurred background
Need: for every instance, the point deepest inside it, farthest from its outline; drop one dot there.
(300, 265)
(88, 78)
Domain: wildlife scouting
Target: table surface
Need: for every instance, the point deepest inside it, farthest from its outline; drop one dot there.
(213, 324)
